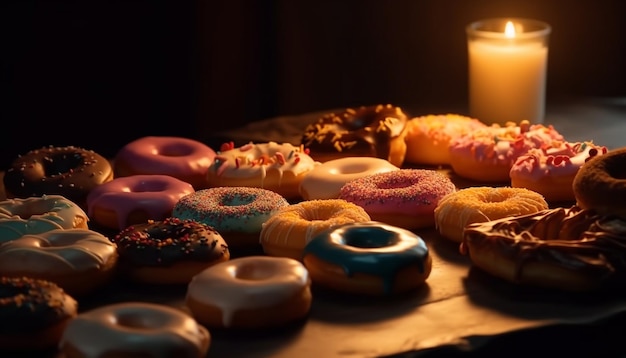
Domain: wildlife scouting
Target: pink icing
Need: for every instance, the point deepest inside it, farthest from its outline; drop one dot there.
(154, 194)
(503, 145)
(181, 158)
(564, 160)
(405, 191)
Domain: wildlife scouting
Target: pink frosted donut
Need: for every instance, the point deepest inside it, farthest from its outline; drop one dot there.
(405, 198)
(551, 171)
(325, 180)
(487, 154)
(135, 199)
(182, 158)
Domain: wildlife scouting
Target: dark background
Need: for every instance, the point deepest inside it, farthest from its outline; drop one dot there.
(98, 74)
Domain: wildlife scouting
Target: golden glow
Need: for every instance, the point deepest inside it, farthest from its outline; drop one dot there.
(509, 30)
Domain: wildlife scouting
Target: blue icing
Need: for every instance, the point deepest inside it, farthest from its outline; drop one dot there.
(370, 248)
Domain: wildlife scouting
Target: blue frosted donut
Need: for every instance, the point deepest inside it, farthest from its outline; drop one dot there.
(370, 258)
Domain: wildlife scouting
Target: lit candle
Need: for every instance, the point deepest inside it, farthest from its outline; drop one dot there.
(507, 70)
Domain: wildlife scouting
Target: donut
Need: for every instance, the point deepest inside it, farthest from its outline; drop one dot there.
(135, 329)
(551, 171)
(182, 158)
(325, 180)
(272, 166)
(135, 199)
(487, 154)
(600, 184)
(237, 213)
(78, 260)
(33, 314)
(369, 258)
(478, 204)
(428, 137)
(252, 292)
(368, 131)
(35, 215)
(288, 231)
(68, 171)
(170, 251)
(405, 198)
(568, 249)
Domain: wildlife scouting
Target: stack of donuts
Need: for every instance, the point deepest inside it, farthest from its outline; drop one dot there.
(251, 231)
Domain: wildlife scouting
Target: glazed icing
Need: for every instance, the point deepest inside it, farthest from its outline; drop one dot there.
(564, 160)
(440, 129)
(408, 191)
(367, 130)
(136, 327)
(61, 251)
(255, 160)
(35, 215)
(240, 209)
(573, 238)
(325, 180)
(182, 158)
(154, 194)
(171, 240)
(371, 248)
(251, 282)
(503, 144)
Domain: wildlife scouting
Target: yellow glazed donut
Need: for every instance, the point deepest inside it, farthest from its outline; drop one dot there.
(250, 292)
(272, 166)
(35, 215)
(135, 329)
(325, 180)
(551, 171)
(368, 258)
(478, 204)
(78, 260)
(428, 137)
(292, 227)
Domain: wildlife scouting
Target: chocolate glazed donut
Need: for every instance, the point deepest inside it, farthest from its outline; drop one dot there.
(68, 171)
(369, 131)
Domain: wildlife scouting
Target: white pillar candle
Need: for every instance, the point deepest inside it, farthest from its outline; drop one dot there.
(507, 70)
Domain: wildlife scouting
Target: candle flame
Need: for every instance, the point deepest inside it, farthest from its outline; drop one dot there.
(509, 30)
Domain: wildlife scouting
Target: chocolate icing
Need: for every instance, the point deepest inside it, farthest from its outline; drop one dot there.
(28, 305)
(573, 238)
(68, 171)
(162, 243)
(367, 130)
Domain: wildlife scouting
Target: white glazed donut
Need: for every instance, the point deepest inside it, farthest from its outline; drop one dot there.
(77, 260)
(35, 215)
(132, 329)
(250, 292)
(325, 180)
(272, 166)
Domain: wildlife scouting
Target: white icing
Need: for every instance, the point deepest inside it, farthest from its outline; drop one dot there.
(36, 215)
(136, 327)
(251, 282)
(59, 251)
(325, 180)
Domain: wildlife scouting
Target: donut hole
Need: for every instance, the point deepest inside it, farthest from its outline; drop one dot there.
(141, 320)
(254, 272)
(617, 171)
(175, 150)
(62, 163)
(237, 200)
(149, 186)
(350, 169)
(369, 238)
(12, 292)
